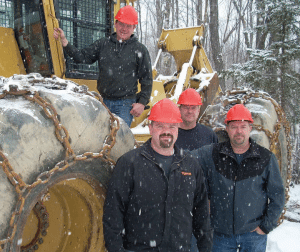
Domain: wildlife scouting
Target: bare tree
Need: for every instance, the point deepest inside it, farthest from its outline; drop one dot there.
(296, 159)
(167, 58)
(241, 12)
(139, 30)
(261, 33)
(199, 12)
(159, 17)
(167, 13)
(173, 14)
(177, 13)
(215, 38)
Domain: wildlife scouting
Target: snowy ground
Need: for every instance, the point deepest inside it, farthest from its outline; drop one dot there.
(286, 237)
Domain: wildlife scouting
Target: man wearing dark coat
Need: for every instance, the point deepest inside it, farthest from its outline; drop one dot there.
(157, 197)
(122, 62)
(245, 189)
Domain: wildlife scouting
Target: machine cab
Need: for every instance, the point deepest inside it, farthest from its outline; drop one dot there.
(33, 21)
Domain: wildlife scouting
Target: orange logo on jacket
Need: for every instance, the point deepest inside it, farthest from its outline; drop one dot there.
(186, 173)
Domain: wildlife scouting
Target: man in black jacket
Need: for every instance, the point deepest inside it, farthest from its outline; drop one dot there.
(123, 61)
(157, 197)
(244, 185)
(192, 135)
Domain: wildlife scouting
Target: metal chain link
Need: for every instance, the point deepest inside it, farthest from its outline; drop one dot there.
(62, 135)
(275, 139)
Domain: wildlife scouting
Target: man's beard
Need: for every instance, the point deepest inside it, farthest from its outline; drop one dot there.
(166, 144)
(240, 141)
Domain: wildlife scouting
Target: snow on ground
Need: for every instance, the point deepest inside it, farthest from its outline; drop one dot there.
(286, 237)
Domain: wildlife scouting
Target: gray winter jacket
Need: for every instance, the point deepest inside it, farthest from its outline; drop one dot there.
(121, 66)
(242, 196)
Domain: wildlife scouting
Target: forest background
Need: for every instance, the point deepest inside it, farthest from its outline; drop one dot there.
(250, 43)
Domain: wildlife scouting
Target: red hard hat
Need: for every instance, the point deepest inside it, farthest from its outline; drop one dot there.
(190, 97)
(238, 113)
(127, 15)
(165, 111)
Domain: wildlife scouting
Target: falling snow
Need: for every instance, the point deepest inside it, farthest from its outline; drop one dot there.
(152, 243)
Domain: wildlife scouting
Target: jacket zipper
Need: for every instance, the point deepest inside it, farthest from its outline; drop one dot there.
(176, 162)
(234, 193)
(234, 187)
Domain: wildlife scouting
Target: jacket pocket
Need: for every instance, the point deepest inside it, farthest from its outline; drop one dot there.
(184, 188)
(145, 225)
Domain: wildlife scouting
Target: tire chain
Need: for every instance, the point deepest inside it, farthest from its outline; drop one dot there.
(62, 135)
(247, 94)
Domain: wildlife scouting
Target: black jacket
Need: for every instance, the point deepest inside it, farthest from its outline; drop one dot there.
(195, 138)
(144, 211)
(243, 196)
(121, 66)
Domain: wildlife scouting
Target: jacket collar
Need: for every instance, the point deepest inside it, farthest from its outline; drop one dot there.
(113, 37)
(148, 152)
(253, 151)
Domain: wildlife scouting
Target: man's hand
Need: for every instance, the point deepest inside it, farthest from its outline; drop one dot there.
(59, 33)
(259, 231)
(137, 109)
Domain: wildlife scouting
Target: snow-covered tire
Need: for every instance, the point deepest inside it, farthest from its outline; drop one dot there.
(71, 195)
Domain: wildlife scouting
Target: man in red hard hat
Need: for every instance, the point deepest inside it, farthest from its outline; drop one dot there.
(245, 188)
(192, 135)
(122, 62)
(156, 196)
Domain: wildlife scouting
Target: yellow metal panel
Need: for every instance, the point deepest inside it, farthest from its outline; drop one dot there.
(180, 42)
(10, 61)
(158, 93)
(92, 84)
(55, 45)
(203, 61)
(181, 39)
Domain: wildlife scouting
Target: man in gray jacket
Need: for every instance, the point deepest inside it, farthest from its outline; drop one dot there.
(244, 185)
(122, 61)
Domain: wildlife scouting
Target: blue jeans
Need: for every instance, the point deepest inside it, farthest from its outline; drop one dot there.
(248, 242)
(194, 247)
(121, 108)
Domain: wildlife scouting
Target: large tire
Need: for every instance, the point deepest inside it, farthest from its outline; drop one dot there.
(270, 128)
(70, 197)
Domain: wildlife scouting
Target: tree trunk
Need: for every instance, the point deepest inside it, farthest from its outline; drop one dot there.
(199, 12)
(296, 163)
(167, 60)
(167, 14)
(173, 14)
(251, 21)
(187, 13)
(159, 17)
(241, 18)
(159, 26)
(139, 30)
(177, 13)
(261, 35)
(215, 38)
